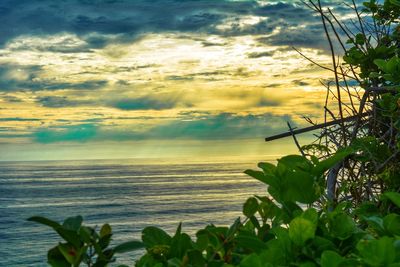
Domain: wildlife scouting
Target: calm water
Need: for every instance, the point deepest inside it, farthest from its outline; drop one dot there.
(127, 194)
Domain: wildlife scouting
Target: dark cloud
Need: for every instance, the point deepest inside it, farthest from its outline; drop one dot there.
(19, 119)
(312, 36)
(297, 25)
(96, 21)
(301, 82)
(11, 99)
(23, 77)
(127, 18)
(259, 54)
(207, 43)
(155, 102)
(264, 102)
(286, 11)
(85, 85)
(15, 77)
(180, 78)
(60, 102)
(241, 72)
(198, 21)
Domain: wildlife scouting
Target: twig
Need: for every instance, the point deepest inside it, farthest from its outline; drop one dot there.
(295, 139)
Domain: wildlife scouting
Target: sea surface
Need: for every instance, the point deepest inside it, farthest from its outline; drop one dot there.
(128, 194)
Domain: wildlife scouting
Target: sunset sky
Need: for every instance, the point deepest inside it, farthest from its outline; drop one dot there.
(122, 79)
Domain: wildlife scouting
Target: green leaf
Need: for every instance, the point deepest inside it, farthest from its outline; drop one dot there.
(360, 39)
(298, 186)
(342, 226)
(252, 260)
(196, 258)
(70, 253)
(180, 245)
(249, 241)
(376, 223)
(178, 230)
(301, 230)
(394, 197)
(86, 234)
(234, 227)
(250, 207)
(295, 162)
(322, 244)
(73, 223)
(331, 259)
(56, 259)
(391, 223)
(328, 163)
(202, 240)
(217, 263)
(174, 262)
(395, 2)
(105, 230)
(153, 236)
(44, 221)
(279, 251)
(104, 241)
(258, 175)
(128, 246)
(267, 167)
(392, 65)
(69, 236)
(381, 64)
(307, 264)
(379, 252)
(311, 214)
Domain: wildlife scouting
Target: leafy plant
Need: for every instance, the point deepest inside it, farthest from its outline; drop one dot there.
(83, 244)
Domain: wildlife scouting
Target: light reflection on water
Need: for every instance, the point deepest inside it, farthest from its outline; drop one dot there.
(128, 195)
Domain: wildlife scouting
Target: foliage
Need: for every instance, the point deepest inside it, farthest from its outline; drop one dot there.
(277, 231)
(83, 244)
(280, 231)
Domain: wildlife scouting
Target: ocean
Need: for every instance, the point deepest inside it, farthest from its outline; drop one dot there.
(128, 194)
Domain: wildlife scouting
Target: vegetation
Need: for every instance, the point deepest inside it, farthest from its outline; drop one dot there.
(337, 204)
(83, 244)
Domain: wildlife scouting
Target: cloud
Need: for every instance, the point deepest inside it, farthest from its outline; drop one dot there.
(99, 23)
(15, 77)
(61, 101)
(302, 82)
(74, 133)
(154, 59)
(19, 119)
(11, 99)
(57, 43)
(154, 102)
(259, 54)
(208, 127)
(288, 11)
(127, 18)
(312, 36)
(264, 102)
(223, 126)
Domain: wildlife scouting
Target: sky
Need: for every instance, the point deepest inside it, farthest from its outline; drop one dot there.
(86, 79)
